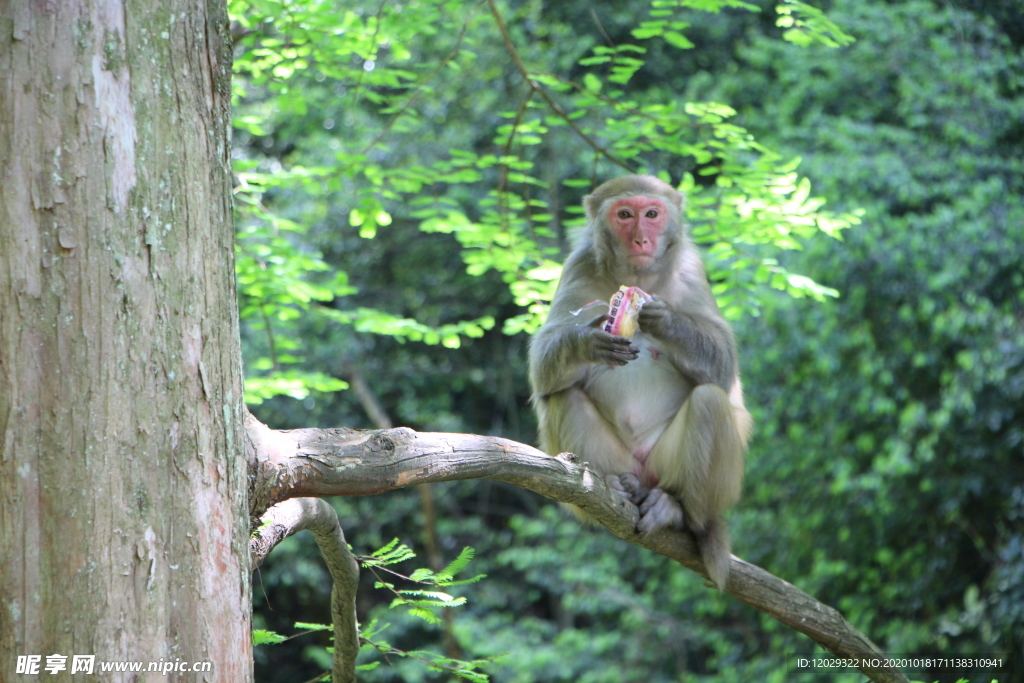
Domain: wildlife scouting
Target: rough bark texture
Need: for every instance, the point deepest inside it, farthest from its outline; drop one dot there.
(317, 516)
(338, 462)
(122, 492)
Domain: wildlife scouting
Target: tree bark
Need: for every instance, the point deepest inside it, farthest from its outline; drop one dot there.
(123, 525)
(317, 516)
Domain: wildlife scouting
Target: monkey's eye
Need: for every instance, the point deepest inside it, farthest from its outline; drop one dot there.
(623, 213)
(653, 213)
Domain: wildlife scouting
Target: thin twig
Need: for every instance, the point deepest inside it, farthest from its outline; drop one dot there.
(557, 108)
(600, 27)
(373, 56)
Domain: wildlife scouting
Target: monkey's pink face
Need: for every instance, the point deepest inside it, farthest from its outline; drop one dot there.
(638, 223)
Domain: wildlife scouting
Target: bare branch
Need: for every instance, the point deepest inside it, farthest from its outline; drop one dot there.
(297, 514)
(348, 462)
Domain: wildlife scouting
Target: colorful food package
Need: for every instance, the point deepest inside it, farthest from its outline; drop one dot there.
(624, 310)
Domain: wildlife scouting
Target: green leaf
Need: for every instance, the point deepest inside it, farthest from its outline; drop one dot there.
(263, 637)
(678, 40)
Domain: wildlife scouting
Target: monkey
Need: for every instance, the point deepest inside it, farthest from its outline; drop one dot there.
(660, 416)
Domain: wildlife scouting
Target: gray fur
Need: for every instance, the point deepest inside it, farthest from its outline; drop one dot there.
(663, 410)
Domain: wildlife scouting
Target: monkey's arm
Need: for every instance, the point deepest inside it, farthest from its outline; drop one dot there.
(563, 352)
(698, 340)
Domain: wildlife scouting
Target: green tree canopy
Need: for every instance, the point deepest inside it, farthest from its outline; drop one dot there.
(408, 177)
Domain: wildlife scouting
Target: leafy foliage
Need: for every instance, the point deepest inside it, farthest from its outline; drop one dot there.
(420, 603)
(390, 67)
(405, 147)
(902, 400)
(417, 602)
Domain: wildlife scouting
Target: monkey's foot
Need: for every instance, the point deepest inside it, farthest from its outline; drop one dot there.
(659, 510)
(629, 486)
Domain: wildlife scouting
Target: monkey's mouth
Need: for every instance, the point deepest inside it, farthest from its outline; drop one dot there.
(642, 261)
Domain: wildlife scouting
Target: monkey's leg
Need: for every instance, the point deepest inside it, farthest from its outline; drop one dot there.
(699, 457)
(573, 424)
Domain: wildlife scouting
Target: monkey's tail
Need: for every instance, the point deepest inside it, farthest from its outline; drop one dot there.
(716, 550)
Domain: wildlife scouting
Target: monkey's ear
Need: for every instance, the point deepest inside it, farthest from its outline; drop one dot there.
(678, 199)
(592, 206)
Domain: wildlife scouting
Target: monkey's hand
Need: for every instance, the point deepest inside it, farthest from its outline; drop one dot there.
(659, 510)
(658, 320)
(607, 348)
(629, 486)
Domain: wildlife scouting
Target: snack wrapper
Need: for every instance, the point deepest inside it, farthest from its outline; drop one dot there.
(624, 310)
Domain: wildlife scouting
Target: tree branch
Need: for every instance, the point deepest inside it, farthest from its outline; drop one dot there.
(348, 462)
(297, 514)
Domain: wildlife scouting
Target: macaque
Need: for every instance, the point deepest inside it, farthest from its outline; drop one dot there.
(659, 416)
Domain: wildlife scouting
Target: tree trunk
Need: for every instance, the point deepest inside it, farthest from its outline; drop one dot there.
(123, 514)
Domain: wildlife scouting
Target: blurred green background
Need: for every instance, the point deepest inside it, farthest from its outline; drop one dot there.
(886, 473)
